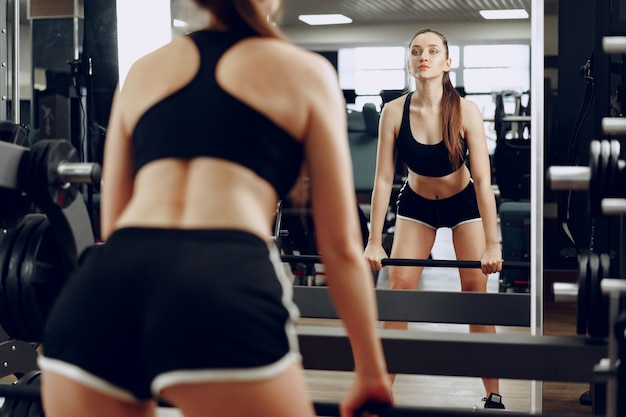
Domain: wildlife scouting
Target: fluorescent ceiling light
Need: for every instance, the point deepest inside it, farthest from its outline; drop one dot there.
(325, 19)
(504, 14)
(179, 23)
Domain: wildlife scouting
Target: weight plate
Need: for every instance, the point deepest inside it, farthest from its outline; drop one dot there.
(6, 248)
(595, 185)
(12, 284)
(605, 155)
(594, 315)
(29, 277)
(614, 182)
(42, 279)
(598, 307)
(583, 293)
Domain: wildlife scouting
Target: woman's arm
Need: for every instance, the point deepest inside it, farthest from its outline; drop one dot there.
(383, 183)
(481, 173)
(117, 169)
(338, 234)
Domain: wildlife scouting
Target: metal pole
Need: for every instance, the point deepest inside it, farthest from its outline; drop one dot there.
(16, 62)
(537, 176)
(4, 60)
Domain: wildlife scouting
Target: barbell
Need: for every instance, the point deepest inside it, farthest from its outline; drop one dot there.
(435, 263)
(42, 176)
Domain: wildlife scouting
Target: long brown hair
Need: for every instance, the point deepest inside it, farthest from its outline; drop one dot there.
(242, 17)
(451, 120)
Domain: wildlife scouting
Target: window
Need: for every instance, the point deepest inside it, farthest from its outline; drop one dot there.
(482, 70)
(369, 70)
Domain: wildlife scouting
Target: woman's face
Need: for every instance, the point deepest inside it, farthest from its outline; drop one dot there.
(428, 56)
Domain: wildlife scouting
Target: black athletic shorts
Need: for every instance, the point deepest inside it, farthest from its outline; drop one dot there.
(159, 307)
(446, 212)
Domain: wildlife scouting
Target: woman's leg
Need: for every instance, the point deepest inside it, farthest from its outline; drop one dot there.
(63, 397)
(284, 395)
(469, 244)
(411, 240)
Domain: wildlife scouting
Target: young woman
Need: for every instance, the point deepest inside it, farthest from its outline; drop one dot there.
(186, 301)
(433, 131)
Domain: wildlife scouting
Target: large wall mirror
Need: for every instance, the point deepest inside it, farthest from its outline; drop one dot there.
(65, 91)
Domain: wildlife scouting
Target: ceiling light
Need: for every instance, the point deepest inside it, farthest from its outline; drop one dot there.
(324, 19)
(504, 14)
(179, 23)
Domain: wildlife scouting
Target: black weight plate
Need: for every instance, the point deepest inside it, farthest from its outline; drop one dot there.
(14, 207)
(31, 323)
(583, 294)
(598, 306)
(595, 293)
(6, 249)
(6, 245)
(12, 279)
(613, 169)
(46, 278)
(595, 186)
(605, 156)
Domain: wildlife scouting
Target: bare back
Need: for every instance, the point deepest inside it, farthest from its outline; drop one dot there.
(202, 192)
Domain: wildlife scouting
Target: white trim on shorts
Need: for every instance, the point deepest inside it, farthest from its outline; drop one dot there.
(191, 376)
(85, 378)
(399, 216)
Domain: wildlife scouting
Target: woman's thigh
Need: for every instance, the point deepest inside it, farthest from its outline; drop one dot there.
(469, 244)
(411, 240)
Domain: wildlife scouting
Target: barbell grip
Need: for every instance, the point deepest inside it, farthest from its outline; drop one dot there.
(569, 177)
(79, 173)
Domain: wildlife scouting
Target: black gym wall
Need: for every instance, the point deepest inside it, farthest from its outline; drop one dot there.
(582, 24)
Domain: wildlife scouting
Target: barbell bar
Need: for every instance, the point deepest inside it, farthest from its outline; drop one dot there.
(79, 173)
(436, 263)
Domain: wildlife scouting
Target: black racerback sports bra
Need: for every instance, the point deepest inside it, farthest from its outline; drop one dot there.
(426, 160)
(201, 119)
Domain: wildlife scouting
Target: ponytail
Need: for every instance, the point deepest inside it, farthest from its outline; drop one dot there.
(241, 17)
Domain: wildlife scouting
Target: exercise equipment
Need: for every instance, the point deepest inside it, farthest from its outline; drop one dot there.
(603, 178)
(41, 249)
(426, 306)
(434, 263)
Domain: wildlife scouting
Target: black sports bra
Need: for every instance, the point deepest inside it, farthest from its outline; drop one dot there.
(427, 160)
(201, 119)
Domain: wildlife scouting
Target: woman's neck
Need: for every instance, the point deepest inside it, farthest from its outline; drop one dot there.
(428, 93)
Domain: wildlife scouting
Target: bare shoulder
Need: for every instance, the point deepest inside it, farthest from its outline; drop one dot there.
(469, 108)
(393, 109)
(286, 60)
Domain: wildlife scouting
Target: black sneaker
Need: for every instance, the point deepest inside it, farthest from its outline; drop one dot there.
(494, 401)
